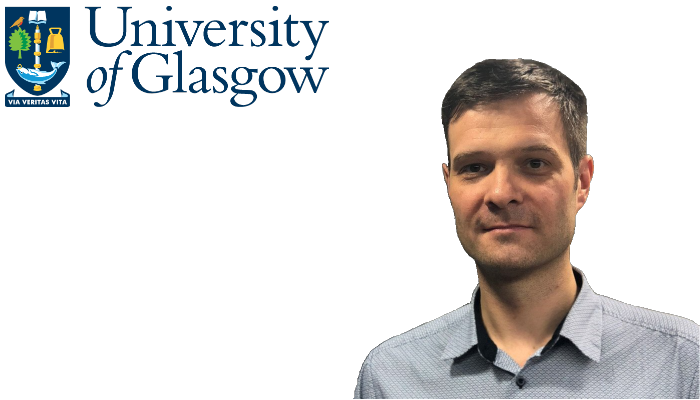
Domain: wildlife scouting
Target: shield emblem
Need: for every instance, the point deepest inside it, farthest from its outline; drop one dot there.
(37, 47)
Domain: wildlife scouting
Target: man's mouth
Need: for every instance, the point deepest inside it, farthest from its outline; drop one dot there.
(506, 228)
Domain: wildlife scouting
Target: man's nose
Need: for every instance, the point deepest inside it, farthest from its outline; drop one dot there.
(502, 187)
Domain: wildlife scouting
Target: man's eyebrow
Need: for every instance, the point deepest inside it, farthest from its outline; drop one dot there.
(539, 147)
(464, 156)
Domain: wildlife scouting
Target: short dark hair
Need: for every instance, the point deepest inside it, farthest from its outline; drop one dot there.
(490, 81)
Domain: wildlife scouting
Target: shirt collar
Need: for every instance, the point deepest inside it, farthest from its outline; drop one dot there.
(583, 326)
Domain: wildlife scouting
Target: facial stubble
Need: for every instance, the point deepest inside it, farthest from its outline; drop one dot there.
(511, 256)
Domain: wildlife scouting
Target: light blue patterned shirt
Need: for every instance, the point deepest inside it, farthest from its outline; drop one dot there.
(603, 348)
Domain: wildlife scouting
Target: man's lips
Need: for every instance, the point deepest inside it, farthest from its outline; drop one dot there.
(506, 228)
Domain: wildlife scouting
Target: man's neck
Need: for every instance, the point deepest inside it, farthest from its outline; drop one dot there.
(522, 314)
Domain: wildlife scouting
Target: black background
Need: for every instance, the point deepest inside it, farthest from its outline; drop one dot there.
(176, 240)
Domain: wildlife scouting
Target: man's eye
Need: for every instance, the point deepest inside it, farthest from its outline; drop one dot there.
(472, 168)
(536, 164)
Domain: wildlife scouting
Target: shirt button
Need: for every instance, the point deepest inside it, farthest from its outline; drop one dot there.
(520, 381)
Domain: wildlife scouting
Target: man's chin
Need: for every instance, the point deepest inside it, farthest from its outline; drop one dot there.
(517, 243)
(506, 263)
(504, 270)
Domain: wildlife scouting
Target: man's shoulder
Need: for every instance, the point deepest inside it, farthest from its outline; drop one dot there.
(618, 312)
(433, 334)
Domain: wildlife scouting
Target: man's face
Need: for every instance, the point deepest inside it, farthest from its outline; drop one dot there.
(510, 166)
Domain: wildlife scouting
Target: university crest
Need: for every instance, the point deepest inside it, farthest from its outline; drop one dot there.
(37, 54)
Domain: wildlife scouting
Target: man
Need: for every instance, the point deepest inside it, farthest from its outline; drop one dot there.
(517, 174)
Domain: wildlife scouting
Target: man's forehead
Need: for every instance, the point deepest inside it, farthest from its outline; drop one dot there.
(518, 122)
(536, 109)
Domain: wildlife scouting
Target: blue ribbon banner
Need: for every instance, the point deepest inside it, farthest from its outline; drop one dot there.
(12, 101)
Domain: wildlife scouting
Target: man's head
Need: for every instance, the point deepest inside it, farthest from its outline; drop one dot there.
(513, 130)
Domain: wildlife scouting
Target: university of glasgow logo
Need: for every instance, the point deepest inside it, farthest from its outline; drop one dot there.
(37, 54)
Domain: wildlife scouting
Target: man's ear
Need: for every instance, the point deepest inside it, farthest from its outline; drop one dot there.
(585, 176)
(446, 175)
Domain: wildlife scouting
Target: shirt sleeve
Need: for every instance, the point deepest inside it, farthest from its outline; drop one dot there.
(365, 385)
(694, 386)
